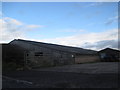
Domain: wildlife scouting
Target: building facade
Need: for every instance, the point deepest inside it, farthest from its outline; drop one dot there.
(109, 54)
(38, 54)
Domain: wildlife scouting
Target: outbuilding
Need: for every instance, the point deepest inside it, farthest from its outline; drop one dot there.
(38, 54)
(109, 54)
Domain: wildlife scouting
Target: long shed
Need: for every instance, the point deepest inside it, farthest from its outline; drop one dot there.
(39, 54)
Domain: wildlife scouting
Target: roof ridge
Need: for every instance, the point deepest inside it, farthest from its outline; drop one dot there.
(58, 47)
(49, 43)
(55, 44)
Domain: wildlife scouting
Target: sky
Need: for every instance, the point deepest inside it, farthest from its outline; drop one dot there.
(90, 25)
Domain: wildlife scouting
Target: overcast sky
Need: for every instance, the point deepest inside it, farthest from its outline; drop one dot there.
(92, 25)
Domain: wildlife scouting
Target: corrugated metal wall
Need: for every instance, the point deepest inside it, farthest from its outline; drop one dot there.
(47, 57)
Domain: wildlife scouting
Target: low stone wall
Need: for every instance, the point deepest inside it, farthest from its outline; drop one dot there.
(86, 58)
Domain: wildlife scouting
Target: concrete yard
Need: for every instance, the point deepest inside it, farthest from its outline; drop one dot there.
(92, 75)
(90, 68)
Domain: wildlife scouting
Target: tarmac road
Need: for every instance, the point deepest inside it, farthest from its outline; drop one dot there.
(53, 79)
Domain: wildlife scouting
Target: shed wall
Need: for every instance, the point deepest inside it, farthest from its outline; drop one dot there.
(86, 58)
(50, 57)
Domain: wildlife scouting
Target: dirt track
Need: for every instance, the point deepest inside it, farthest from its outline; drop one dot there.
(66, 77)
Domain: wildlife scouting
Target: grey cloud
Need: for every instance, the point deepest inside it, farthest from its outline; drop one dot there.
(113, 19)
(109, 22)
(103, 44)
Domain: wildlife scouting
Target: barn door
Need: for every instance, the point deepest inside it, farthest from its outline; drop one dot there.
(26, 58)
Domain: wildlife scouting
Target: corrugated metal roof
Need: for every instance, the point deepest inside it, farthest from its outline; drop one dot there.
(60, 47)
(110, 49)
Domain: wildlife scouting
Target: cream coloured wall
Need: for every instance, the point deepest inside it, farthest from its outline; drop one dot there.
(86, 58)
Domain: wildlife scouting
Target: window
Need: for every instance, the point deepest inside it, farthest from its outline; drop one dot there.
(38, 53)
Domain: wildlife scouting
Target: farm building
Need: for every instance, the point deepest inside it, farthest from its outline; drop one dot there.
(109, 54)
(39, 54)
